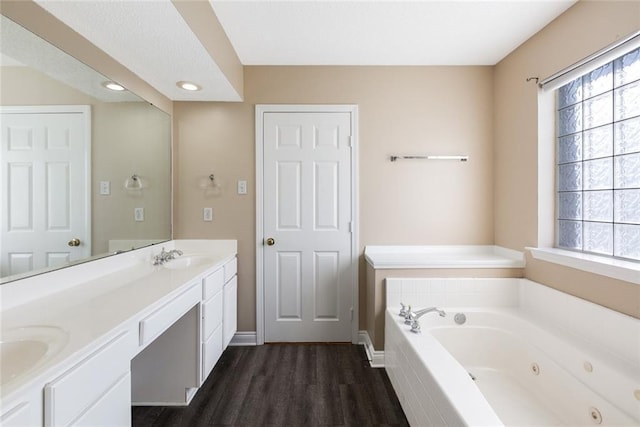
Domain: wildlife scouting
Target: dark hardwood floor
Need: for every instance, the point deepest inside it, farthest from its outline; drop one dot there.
(287, 385)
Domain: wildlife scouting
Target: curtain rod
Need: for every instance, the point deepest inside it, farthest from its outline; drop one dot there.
(589, 58)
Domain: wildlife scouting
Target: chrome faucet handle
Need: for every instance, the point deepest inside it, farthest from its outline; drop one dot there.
(408, 318)
(403, 310)
(415, 326)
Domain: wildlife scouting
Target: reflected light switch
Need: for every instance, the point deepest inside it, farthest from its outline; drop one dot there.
(105, 188)
(207, 214)
(138, 214)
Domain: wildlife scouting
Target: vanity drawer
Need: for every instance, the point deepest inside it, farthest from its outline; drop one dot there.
(82, 386)
(230, 269)
(212, 284)
(211, 352)
(158, 321)
(212, 315)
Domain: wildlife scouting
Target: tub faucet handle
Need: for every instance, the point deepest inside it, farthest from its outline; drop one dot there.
(415, 326)
(407, 316)
(403, 310)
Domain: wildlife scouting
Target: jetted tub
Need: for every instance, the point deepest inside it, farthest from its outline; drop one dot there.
(512, 366)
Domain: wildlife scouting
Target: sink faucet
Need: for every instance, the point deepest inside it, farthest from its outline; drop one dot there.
(165, 256)
(414, 316)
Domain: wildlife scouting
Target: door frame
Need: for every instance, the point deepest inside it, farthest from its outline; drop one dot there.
(261, 109)
(85, 112)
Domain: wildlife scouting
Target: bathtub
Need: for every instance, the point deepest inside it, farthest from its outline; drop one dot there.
(507, 365)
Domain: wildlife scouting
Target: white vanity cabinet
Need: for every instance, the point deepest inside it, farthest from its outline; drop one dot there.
(212, 309)
(135, 335)
(230, 319)
(97, 390)
(218, 313)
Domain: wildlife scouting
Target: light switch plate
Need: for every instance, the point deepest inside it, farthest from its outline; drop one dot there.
(207, 214)
(105, 188)
(138, 214)
(242, 186)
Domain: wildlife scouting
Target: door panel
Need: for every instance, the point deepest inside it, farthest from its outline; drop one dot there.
(307, 211)
(288, 285)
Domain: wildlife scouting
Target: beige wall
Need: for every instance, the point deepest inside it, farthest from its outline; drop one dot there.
(126, 138)
(579, 32)
(402, 110)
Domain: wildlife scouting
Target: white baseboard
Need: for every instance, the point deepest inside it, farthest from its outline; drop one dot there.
(376, 357)
(244, 338)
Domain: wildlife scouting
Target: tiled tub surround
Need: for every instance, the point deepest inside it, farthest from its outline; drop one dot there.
(427, 261)
(539, 356)
(99, 316)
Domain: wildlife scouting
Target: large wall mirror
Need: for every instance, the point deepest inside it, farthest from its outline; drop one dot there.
(85, 171)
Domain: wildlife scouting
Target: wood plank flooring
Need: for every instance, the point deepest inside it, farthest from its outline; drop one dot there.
(287, 385)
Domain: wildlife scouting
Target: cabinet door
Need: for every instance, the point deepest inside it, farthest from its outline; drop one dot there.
(230, 321)
(113, 408)
(24, 412)
(211, 350)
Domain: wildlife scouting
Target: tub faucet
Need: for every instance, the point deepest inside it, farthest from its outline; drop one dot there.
(414, 316)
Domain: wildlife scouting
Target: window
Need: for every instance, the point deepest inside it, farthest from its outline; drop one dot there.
(598, 160)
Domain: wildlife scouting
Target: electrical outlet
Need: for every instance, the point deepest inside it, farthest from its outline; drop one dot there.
(242, 186)
(138, 214)
(207, 214)
(105, 188)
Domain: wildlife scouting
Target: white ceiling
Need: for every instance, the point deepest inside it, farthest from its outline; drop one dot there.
(152, 39)
(428, 32)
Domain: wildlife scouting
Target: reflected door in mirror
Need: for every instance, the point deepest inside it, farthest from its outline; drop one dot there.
(45, 191)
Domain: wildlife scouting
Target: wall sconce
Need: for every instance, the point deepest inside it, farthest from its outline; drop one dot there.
(210, 185)
(134, 184)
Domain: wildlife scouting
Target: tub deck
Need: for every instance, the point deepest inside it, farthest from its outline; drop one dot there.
(539, 357)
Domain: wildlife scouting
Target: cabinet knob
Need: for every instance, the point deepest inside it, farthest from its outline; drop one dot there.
(74, 242)
(271, 241)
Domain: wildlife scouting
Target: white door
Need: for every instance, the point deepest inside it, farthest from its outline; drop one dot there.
(44, 177)
(308, 268)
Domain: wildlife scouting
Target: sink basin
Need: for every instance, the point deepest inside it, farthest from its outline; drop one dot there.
(187, 261)
(24, 349)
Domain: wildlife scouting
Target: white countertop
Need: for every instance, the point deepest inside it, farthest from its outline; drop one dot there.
(91, 310)
(467, 256)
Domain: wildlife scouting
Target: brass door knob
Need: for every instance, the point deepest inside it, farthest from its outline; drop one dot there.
(74, 242)
(271, 241)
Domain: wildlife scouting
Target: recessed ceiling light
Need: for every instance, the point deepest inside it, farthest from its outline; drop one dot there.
(188, 86)
(113, 86)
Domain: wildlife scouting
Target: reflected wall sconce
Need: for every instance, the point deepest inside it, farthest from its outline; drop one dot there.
(210, 185)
